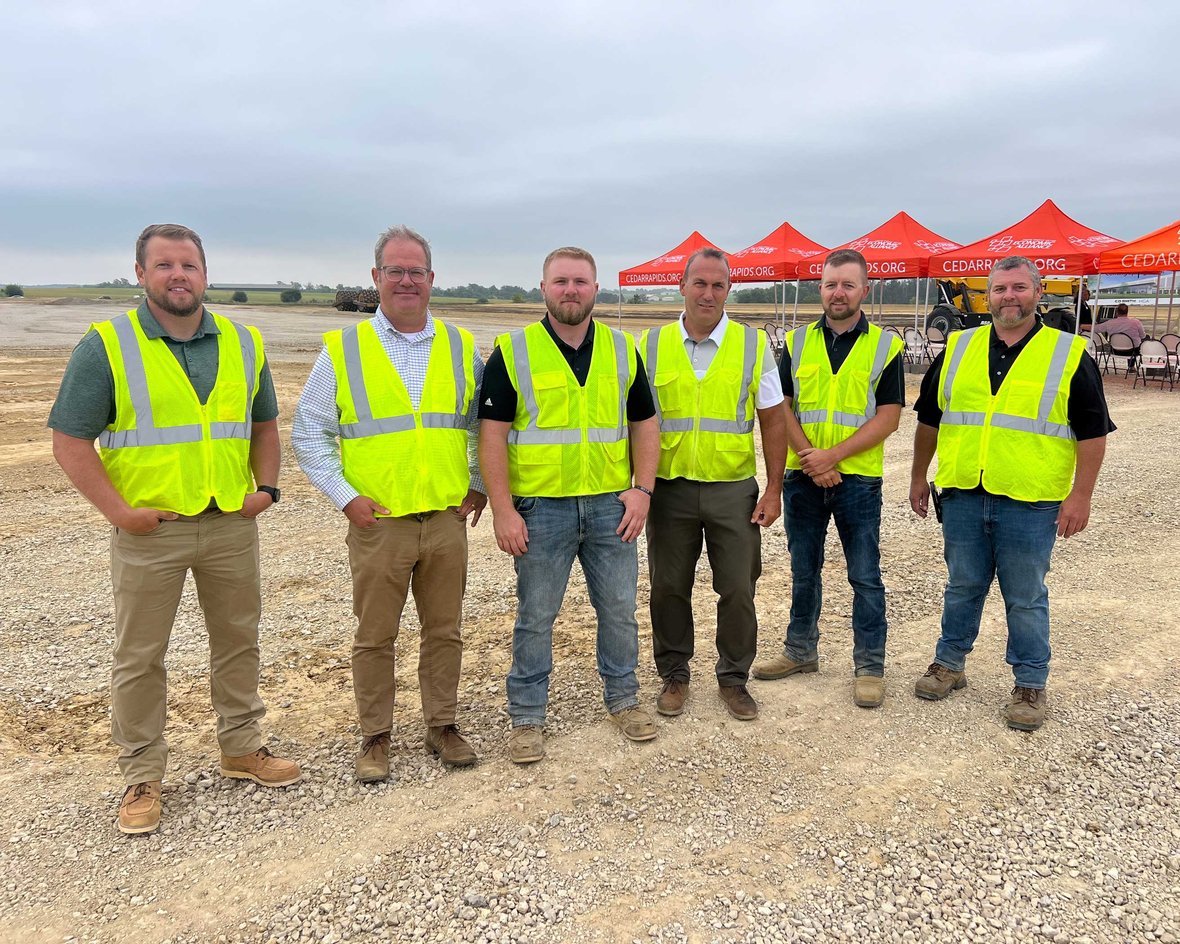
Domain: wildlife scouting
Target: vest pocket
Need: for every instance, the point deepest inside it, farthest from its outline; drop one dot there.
(1021, 398)
(855, 397)
(667, 390)
(553, 407)
(807, 376)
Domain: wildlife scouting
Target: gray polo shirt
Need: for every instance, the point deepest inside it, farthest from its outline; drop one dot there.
(85, 404)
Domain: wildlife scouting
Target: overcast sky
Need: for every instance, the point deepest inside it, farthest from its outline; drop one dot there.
(290, 134)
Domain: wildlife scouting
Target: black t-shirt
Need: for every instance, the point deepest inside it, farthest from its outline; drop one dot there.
(890, 385)
(1088, 415)
(498, 396)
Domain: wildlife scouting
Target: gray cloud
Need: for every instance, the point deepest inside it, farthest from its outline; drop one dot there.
(290, 134)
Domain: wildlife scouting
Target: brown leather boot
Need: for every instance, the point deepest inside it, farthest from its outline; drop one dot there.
(450, 746)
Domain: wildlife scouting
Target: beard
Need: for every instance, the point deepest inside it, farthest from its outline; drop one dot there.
(845, 315)
(571, 314)
(167, 303)
(1005, 319)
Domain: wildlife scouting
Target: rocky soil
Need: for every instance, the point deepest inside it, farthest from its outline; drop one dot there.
(817, 822)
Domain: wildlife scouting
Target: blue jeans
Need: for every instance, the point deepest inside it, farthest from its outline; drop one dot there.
(561, 529)
(992, 536)
(856, 505)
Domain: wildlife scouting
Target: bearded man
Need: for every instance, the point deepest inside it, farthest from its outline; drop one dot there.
(568, 447)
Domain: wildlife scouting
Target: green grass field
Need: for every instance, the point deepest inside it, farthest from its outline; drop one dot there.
(214, 297)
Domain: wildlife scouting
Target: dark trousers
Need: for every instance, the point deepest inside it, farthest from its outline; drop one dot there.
(682, 513)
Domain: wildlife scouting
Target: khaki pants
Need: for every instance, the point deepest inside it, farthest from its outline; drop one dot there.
(147, 574)
(388, 560)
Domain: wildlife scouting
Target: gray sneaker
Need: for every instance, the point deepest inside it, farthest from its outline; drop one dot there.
(938, 682)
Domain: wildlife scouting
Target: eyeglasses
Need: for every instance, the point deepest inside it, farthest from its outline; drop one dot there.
(417, 275)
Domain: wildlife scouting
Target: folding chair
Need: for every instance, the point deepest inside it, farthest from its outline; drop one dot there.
(1153, 361)
(1122, 348)
(915, 346)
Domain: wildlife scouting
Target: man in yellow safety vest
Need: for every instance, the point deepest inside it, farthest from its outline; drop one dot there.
(710, 378)
(845, 387)
(398, 392)
(568, 445)
(183, 407)
(1018, 417)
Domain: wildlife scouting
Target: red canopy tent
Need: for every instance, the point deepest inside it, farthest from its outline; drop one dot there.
(668, 268)
(900, 248)
(1156, 252)
(1057, 244)
(773, 258)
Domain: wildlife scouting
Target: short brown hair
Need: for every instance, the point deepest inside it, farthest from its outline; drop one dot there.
(705, 252)
(401, 232)
(569, 252)
(167, 231)
(1009, 264)
(844, 257)
(1122, 309)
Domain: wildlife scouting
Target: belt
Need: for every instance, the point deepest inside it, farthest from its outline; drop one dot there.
(417, 516)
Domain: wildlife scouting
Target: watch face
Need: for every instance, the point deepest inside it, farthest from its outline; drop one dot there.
(272, 492)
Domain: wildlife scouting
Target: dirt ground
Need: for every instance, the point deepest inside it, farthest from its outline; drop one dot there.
(910, 767)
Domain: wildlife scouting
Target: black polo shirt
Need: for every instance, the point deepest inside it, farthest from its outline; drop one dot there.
(890, 387)
(1088, 415)
(498, 396)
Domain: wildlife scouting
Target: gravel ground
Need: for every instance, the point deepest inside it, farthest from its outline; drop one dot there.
(817, 822)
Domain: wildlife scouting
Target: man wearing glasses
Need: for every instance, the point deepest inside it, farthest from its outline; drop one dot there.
(386, 427)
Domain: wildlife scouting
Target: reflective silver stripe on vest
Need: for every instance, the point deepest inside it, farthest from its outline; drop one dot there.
(855, 420)
(1025, 425)
(954, 418)
(682, 425)
(726, 426)
(146, 432)
(545, 437)
(653, 347)
(952, 367)
(531, 435)
(1040, 426)
(368, 425)
(798, 339)
(749, 354)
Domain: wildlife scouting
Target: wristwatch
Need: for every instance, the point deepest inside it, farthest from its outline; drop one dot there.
(270, 490)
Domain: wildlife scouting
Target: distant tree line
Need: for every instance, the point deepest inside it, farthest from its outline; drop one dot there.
(888, 291)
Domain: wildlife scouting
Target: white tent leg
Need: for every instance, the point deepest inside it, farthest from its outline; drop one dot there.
(1171, 297)
(1155, 311)
(795, 313)
(916, 303)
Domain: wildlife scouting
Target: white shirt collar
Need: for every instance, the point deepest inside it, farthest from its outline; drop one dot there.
(383, 324)
(717, 335)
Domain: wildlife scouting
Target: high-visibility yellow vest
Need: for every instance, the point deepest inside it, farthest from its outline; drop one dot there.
(567, 439)
(165, 449)
(706, 425)
(831, 407)
(1018, 442)
(410, 461)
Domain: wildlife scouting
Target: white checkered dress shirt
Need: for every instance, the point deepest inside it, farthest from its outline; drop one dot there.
(316, 431)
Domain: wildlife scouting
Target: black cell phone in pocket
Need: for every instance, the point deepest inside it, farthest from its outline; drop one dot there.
(936, 498)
